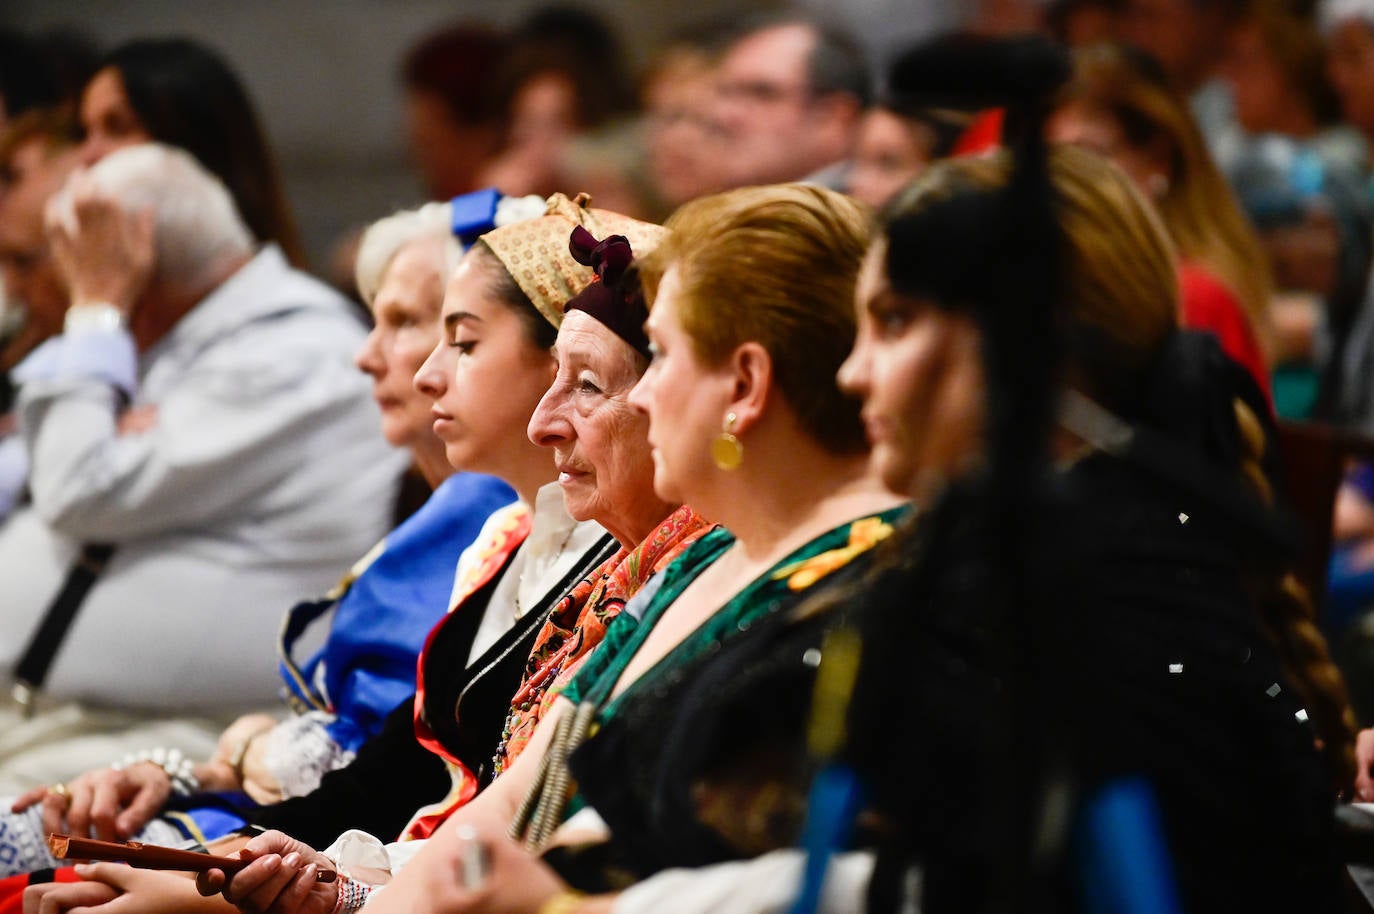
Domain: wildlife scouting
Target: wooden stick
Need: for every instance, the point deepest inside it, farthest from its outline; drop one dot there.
(151, 857)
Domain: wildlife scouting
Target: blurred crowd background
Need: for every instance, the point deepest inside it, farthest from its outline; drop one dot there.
(327, 77)
(1246, 122)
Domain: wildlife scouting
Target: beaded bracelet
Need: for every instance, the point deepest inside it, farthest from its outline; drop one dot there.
(352, 895)
(180, 770)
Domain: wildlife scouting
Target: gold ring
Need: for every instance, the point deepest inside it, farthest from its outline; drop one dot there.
(61, 791)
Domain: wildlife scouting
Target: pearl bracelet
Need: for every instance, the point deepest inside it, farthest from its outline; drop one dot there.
(180, 769)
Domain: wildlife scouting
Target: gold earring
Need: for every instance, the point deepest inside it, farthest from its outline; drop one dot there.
(726, 450)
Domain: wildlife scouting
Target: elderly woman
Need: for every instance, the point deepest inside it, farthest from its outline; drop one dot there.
(745, 425)
(1175, 677)
(485, 377)
(389, 601)
(1184, 658)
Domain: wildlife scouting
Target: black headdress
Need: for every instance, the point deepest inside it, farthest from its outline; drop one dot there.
(615, 297)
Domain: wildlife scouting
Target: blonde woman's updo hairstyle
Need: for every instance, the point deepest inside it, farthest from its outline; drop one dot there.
(1119, 300)
(775, 265)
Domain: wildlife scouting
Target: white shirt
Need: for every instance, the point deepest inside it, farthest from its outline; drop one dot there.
(263, 478)
(555, 544)
(763, 885)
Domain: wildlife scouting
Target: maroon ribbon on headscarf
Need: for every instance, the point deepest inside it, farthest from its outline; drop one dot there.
(615, 297)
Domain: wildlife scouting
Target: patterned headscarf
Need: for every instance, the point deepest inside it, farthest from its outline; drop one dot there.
(535, 252)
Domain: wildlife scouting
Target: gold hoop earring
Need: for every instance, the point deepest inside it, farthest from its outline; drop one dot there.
(726, 450)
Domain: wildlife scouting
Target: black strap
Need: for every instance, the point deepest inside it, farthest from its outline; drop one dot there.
(57, 621)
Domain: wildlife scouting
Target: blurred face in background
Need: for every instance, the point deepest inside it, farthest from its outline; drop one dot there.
(30, 273)
(1258, 85)
(107, 118)
(685, 144)
(1350, 65)
(543, 118)
(1096, 130)
(1183, 35)
(765, 104)
(891, 151)
(448, 153)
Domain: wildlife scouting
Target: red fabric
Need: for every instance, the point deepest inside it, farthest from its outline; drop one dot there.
(1207, 303)
(983, 134)
(574, 628)
(12, 889)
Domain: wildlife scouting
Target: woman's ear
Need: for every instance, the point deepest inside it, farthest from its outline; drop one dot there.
(752, 368)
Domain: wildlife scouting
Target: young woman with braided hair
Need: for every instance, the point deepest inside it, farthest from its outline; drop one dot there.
(1169, 641)
(1287, 611)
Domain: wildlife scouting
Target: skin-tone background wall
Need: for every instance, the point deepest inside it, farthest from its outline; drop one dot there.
(323, 73)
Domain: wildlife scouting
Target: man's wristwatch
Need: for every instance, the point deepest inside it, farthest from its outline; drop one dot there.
(94, 317)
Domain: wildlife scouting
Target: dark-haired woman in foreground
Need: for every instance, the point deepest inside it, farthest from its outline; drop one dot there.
(1178, 649)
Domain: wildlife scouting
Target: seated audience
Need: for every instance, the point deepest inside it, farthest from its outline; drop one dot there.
(200, 416)
(500, 311)
(389, 600)
(1314, 219)
(1118, 104)
(767, 442)
(1158, 624)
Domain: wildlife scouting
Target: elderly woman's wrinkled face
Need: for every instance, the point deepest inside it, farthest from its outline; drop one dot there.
(485, 376)
(918, 372)
(107, 118)
(405, 330)
(685, 399)
(599, 443)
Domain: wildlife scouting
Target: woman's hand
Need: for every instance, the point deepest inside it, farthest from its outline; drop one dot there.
(280, 880)
(258, 780)
(114, 804)
(59, 897)
(104, 254)
(228, 767)
(113, 888)
(514, 882)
